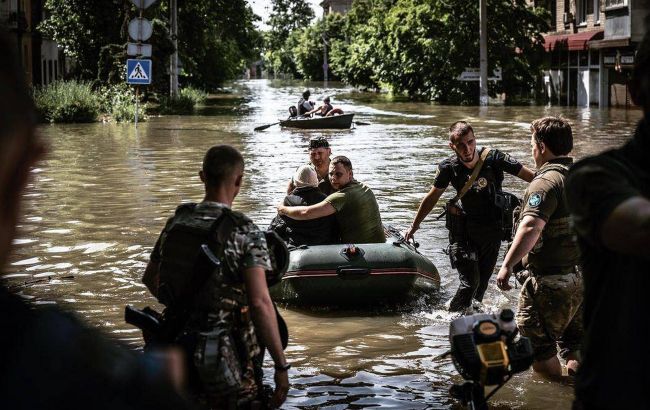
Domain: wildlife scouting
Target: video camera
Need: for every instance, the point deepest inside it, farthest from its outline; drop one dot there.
(485, 353)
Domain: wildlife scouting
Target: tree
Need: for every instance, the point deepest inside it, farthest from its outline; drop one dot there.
(287, 17)
(216, 37)
(309, 45)
(420, 47)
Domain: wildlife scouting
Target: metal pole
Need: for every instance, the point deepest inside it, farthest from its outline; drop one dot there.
(173, 63)
(137, 100)
(483, 82)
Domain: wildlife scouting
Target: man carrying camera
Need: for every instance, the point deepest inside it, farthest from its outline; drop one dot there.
(549, 311)
(475, 229)
(209, 268)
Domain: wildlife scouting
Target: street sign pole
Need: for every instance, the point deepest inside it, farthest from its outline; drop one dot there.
(483, 82)
(137, 100)
(138, 70)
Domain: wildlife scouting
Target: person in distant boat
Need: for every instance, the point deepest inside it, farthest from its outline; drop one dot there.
(320, 231)
(354, 205)
(304, 105)
(325, 110)
(319, 159)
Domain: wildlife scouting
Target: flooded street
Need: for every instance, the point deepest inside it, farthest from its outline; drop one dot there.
(98, 202)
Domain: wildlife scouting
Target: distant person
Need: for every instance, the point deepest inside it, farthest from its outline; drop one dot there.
(609, 196)
(319, 158)
(353, 203)
(230, 317)
(326, 109)
(550, 302)
(50, 359)
(320, 231)
(304, 105)
(475, 237)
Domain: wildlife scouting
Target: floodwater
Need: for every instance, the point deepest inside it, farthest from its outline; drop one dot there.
(97, 203)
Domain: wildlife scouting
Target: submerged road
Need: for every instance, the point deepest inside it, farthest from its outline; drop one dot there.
(97, 203)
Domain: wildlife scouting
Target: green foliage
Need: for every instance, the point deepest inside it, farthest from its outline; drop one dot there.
(309, 46)
(287, 19)
(82, 27)
(420, 47)
(71, 101)
(217, 38)
(118, 102)
(185, 103)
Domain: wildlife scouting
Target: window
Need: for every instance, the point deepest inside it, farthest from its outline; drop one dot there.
(581, 11)
(615, 3)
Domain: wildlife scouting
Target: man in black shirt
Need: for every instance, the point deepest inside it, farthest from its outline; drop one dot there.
(609, 196)
(475, 247)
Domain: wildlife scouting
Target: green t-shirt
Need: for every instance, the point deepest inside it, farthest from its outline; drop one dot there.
(357, 213)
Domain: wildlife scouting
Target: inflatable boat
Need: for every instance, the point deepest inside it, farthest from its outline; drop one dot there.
(358, 275)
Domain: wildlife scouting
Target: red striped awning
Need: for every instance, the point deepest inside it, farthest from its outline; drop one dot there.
(573, 42)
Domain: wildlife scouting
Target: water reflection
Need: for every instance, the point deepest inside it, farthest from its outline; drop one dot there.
(97, 204)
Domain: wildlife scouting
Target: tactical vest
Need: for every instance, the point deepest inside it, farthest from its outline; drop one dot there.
(556, 251)
(180, 263)
(226, 344)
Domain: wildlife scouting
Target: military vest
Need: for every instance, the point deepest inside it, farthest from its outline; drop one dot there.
(182, 273)
(556, 251)
(216, 299)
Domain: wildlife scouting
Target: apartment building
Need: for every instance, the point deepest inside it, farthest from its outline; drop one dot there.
(41, 58)
(590, 50)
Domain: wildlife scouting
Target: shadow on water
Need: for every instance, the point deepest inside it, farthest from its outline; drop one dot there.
(98, 202)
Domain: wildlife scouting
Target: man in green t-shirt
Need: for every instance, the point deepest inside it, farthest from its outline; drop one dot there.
(354, 205)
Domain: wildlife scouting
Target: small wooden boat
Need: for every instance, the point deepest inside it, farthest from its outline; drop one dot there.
(343, 121)
(393, 272)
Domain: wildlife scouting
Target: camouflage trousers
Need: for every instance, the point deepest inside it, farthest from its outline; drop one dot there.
(550, 314)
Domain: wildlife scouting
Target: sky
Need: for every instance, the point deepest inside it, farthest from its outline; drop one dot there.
(263, 8)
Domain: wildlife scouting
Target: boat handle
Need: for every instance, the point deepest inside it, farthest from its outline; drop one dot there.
(352, 273)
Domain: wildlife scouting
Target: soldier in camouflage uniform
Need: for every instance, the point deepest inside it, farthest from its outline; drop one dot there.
(550, 303)
(230, 308)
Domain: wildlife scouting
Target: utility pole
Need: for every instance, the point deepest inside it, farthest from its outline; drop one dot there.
(325, 65)
(483, 82)
(173, 60)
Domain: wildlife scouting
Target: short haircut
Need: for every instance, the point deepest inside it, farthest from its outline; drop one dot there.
(555, 133)
(460, 129)
(220, 163)
(640, 85)
(16, 105)
(345, 161)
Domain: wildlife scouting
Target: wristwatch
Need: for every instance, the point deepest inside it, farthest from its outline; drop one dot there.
(283, 368)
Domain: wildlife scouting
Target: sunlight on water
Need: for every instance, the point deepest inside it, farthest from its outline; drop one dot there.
(100, 199)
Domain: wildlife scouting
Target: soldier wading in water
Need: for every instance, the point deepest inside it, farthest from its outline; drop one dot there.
(210, 268)
(475, 216)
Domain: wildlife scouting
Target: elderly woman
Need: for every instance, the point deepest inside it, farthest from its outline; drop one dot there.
(321, 231)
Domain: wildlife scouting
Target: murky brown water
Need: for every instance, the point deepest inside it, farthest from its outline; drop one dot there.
(98, 202)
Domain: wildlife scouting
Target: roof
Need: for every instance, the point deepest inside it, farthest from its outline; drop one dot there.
(573, 42)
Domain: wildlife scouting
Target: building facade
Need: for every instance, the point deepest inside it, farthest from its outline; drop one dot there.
(590, 50)
(41, 58)
(336, 6)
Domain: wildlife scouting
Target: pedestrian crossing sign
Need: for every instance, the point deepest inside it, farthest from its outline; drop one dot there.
(138, 71)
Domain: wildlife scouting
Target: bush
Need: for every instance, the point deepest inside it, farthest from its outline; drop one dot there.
(69, 101)
(118, 101)
(187, 99)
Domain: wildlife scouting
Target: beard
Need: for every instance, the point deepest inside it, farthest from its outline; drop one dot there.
(466, 160)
